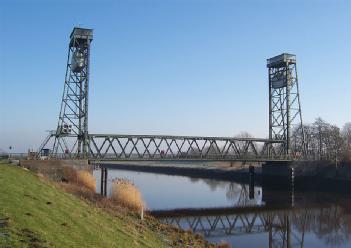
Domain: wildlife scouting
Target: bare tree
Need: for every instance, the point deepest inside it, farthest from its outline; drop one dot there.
(323, 141)
(346, 133)
(241, 144)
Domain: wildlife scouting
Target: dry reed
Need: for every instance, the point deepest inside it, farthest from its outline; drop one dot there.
(86, 179)
(127, 194)
(69, 174)
(81, 177)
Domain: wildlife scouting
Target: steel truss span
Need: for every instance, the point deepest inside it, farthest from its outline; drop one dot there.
(149, 147)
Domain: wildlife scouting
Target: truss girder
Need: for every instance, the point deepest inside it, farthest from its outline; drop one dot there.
(148, 147)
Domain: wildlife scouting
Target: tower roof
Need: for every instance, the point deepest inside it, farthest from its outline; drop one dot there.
(81, 34)
(281, 60)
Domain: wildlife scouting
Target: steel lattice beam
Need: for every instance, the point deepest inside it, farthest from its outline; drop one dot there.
(159, 147)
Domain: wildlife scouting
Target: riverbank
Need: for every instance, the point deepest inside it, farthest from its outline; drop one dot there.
(37, 212)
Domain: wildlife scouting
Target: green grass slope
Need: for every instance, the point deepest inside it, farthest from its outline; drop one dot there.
(42, 215)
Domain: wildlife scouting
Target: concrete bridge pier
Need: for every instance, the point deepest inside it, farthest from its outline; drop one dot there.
(278, 175)
(278, 183)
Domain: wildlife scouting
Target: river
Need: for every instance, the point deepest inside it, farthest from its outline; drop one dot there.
(225, 211)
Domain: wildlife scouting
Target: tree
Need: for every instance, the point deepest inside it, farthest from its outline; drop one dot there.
(346, 132)
(323, 140)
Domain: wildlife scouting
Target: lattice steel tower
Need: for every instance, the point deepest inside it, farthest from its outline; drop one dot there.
(285, 118)
(71, 137)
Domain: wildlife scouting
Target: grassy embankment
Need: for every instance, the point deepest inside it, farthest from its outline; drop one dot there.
(41, 213)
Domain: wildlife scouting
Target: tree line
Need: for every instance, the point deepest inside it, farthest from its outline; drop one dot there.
(324, 141)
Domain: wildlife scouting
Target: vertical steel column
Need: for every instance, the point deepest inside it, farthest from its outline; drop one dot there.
(102, 181)
(288, 124)
(103, 186)
(303, 133)
(80, 115)
(86, 90)
(252, 182)
(269, 148)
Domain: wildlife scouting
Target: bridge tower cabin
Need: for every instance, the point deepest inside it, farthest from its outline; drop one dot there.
(285, 118)
(71, 135)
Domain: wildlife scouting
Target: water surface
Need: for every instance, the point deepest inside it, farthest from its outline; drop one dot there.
(268, 219)
(169, 192)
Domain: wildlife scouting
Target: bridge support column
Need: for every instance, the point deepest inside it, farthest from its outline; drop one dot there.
(103, 190)
(252, 182)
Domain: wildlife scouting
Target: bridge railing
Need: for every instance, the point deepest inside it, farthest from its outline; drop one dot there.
(162, 147)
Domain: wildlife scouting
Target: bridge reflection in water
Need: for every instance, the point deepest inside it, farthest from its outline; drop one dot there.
(282, 226)
(266, 218)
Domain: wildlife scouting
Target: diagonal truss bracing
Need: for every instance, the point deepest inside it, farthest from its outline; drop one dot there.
(152, 147)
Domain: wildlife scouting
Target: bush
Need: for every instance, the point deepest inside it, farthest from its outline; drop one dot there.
(127, 194)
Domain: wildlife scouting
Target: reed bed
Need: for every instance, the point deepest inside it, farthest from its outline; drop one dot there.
(125, 193)
(69, 174)
(62, 173)
(86, 179)
(79, 177)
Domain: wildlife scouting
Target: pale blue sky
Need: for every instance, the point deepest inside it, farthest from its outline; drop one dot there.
(185, 67)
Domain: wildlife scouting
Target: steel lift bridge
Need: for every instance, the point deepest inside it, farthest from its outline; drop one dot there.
(71, 138)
